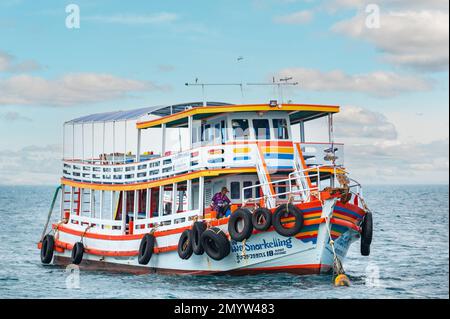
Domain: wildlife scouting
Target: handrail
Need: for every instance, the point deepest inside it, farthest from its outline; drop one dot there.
(50, 212)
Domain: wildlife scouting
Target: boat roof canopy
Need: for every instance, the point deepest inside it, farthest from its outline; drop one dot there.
(135, 114)
(297, 113)
(177, 115)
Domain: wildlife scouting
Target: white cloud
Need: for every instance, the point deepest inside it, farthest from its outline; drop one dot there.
(299, 17)
(380, 84)
(362, 123)
(136, 19)
(416, 39)
(8, 64)
(71, 89)
(31, 165)
(399, 162)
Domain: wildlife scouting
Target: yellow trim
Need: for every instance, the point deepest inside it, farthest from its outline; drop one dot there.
(236, 108)
(243, 150)
(162, 182)
(277, 149)
(328, 170)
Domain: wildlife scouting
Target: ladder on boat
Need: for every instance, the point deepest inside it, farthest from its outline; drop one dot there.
(302, 180)
(264, 178)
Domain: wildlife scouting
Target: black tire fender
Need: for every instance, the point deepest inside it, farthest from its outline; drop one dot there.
(146, 249)
(77, 253)
(284, 211)
(47, 249)
(240, 215)
(196, 233)
(264, 215)
(184, 245)
(215, 243)
(366, 234)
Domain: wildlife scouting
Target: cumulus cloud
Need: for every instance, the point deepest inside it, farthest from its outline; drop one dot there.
(135, 19)
(415, 39)
(69, 90)
(299, 17)
(362, 123)
(31, 165)
(8, 64)
(399, 162)
(379, 84)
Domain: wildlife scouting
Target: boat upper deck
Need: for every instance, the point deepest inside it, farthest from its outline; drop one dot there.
(214, 139)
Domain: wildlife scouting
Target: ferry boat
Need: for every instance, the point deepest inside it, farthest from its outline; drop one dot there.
(129, 201)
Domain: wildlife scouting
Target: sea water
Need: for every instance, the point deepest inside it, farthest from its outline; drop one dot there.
(409, 257)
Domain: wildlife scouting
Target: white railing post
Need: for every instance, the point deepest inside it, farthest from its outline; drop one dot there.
(201, 195)
(124, 212)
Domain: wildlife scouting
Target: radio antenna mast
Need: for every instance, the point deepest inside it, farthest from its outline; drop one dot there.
(211, 84)
(282, 82)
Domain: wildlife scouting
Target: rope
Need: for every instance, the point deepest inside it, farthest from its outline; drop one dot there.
(244, 252)
(84, 233)
(337, 265)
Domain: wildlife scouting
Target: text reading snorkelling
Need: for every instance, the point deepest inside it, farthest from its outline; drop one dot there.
(270, 248)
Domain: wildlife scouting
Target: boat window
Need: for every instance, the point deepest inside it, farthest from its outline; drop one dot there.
(280, 129)
(281, 190)
(240, 129)
(217, 134)
(262, 129)
(248, 193)
(223, 131)
(235, 190)
(206, 132)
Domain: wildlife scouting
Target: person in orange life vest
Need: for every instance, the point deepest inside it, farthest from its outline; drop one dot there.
(220, 203)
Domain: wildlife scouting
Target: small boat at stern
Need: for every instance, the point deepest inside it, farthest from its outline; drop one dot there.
(205, 188)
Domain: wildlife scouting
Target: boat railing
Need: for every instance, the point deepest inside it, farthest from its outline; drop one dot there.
(204, 157)
(165, 222)
(292, 192)
(200, 158)
(318, 154)
(99, 225)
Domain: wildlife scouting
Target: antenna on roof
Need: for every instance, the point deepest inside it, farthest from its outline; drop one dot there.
(282, 82)
(210, 84)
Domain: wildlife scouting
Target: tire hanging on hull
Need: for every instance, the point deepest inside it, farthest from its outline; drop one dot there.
(215, 243)
(77, 253)
(366, 234)
(240, 226)
(284, 211)
(185, 250)
(262, 219)
(47, 249)
(146, 249)
(196, 233)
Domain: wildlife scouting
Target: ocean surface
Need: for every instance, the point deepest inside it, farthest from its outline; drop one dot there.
(409, 257)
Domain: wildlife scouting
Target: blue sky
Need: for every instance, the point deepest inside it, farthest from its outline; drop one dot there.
(149, 49)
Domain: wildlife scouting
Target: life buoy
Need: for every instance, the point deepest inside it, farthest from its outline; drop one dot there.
(284, 211)
(366, 234)
(47, 248)
(196, 233)
(146, 249)
(77, 253)
(240, 226)
(184, 245)
(215, 243)
(262, 219)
